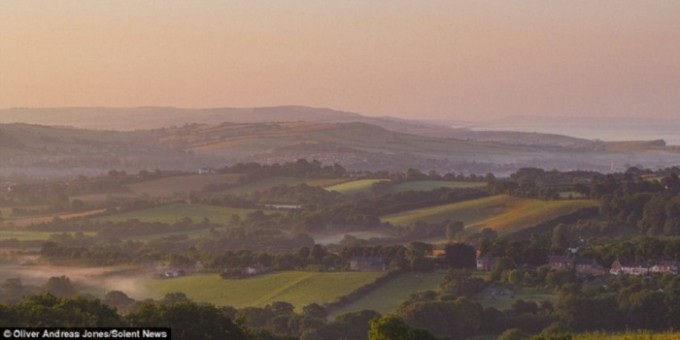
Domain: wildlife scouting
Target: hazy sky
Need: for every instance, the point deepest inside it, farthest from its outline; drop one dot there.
(426, 59)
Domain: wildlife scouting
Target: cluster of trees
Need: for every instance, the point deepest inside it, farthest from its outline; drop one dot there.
(366, 212)
(623, 303)
(299, 168)
(538, 183)
(652, 206)
(188, 320)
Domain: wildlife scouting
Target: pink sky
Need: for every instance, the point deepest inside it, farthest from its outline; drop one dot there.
(470, 60)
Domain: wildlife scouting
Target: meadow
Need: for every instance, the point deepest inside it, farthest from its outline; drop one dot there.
(504, 301)
(264, 184)
(175, 212)
(166, 187)
(28, 235)
(432, 185)
(500, 212)
(44, 218)
(296, 287)
(355, 187)
(388, 297)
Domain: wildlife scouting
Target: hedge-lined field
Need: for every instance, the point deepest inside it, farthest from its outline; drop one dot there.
(500, 212)
(432, 185)
(387, 298)
(173, 213)
(296, 287)
(355, 187)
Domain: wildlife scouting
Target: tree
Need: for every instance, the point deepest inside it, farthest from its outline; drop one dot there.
(315, 310)
(189, 320)
(513, 334)
(60, 286)
(461, 255)
(453, 228)
(394, 328)
(118, 299)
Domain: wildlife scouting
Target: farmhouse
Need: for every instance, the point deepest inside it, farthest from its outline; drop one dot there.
(255, 270)
(206, 171)
(367, 264)
(589, 267)
(174, 273)
(632, 268)
(485, 263)
(666, 267)
(561, 262)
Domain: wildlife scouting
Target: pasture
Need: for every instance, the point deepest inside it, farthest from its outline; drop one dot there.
(36, 219)
(29, 235)
(355, 187)
(432, 185)
(502, 299)
(387, 298)
(264, 184)
(167, 186)
(295, 287)
(503, 213)
(173, 213)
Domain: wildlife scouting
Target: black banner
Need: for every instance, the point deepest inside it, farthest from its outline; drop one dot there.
(84, 333)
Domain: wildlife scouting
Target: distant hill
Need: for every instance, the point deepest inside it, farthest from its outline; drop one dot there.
(144, 118)
(45, 152)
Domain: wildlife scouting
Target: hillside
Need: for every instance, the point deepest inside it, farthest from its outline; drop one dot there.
(42, 152)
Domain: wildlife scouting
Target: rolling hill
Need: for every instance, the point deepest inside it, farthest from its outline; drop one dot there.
(281, 134)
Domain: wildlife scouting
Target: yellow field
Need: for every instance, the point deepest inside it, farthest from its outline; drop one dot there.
(499, 212)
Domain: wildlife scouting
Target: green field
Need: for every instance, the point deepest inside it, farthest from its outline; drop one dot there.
(175, 212)
(501, 212)
(181, 184)
(432, 185)
(505, 301)
(325, 182)
(27, 235)
(387, 298)
(297, 288)
(265, 183)
(355, 187)
(166, 187)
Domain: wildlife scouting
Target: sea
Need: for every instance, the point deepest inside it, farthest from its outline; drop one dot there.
(605, 129)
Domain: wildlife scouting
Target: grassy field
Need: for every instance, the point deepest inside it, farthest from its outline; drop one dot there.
(337, 237)
(27, 235)
(265, 183)
(175, 212)
(298, 288)
(28, 220)
(432, 185)
(325, 182)
(499, 212)
(387, 298)
(504, 301)
(354, 187)
(181, 184)
(166, 187)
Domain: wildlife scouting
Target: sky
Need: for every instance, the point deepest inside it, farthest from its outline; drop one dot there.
(454, 60)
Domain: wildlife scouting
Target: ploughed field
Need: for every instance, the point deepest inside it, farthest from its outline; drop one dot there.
(501, 212)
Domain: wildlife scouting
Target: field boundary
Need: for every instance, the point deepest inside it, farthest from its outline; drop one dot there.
(362, 291)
